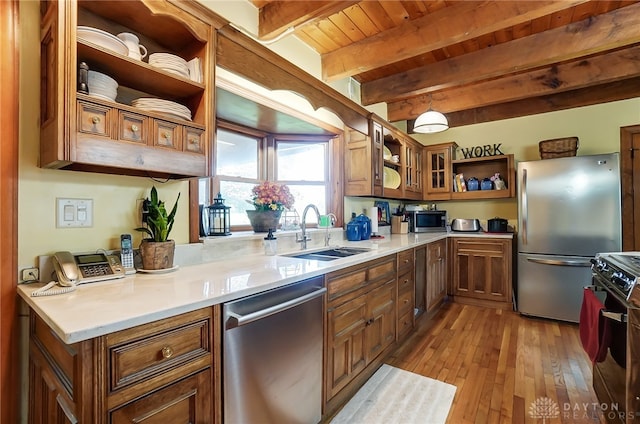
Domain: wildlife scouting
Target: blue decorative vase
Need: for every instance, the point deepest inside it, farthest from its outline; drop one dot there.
(365, 227)
(353, 231)
(486, 184)
(473, 184)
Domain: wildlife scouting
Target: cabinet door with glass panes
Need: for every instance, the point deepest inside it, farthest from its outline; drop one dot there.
(437, 167)
(413, 170)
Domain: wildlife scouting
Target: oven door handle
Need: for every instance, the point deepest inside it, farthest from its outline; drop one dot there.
(616, 316)
(559, 262)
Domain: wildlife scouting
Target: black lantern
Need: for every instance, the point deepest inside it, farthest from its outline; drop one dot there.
(219, 218)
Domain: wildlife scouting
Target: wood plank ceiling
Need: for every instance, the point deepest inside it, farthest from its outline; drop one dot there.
(475, 61)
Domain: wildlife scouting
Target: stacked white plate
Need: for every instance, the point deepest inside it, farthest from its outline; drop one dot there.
(103, 39)
(102, 86)
(164, 107)
(170, 63)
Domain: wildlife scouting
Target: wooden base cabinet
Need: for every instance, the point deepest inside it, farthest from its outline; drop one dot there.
(161, 372)
(436, 289)
(406, 293)
(361, 320)
(482, 270)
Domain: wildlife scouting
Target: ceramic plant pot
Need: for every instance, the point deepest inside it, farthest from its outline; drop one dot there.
(262, 221)
(157, 254)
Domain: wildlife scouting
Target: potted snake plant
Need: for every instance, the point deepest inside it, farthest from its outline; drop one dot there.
(157, 250)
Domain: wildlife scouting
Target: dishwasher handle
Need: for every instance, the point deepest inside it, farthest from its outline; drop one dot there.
(237, 320)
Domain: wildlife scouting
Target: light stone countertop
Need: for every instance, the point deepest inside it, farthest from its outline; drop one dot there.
(97, 309)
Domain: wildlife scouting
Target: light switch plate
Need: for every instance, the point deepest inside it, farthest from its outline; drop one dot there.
(74, 213)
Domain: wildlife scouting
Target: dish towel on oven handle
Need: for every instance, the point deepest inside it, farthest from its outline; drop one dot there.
(595, 331)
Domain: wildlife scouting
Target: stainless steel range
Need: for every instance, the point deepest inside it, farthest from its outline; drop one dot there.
(616, 379)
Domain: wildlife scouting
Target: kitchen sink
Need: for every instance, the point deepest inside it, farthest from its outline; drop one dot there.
(329, 254)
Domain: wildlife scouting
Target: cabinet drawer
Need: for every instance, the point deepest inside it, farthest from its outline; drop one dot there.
(339, 285)
(405, 323)
(143, 352)
(496, 246)
(133, 127)
(193, 140)
(405, 282)
(405, 302)
(405, 260)
(385, 267)
(167, 134)
(94, 119)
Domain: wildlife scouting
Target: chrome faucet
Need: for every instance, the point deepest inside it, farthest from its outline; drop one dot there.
(303, 238)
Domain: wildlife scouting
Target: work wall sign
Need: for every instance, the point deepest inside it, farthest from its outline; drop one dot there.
(481, 151)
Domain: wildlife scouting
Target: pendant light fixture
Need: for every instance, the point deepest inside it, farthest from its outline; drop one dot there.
(430, 121)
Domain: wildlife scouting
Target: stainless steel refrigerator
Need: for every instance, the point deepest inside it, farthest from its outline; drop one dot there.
(568, 210)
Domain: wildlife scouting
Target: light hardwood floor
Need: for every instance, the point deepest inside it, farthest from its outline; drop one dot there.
(502, 364)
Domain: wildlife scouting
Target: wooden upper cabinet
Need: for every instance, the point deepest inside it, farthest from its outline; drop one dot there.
(364, 157)
(441, 167)
(484, 168)
(413, 170)
(438, 177)
(81, 131)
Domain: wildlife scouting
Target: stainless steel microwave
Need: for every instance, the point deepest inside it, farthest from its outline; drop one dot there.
(427, 221)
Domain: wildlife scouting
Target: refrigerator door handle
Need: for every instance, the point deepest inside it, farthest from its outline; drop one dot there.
(523, 198)
(560, 262)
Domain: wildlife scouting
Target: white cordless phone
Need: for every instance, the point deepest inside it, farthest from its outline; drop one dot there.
(126, 253)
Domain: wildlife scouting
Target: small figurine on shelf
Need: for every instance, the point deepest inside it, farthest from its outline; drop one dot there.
(498, 182)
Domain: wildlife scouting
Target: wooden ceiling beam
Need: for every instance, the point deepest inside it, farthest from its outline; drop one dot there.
(276, 17)
(594, 35)
(619, 90)
(581, 73)
(434, 31)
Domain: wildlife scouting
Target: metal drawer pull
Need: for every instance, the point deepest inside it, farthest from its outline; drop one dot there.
(167, 352)
(134, 128)
(95, 120)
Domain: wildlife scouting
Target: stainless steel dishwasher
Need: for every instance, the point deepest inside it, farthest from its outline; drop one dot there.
(272, 357)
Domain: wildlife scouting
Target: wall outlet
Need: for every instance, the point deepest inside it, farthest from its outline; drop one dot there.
(29, 275)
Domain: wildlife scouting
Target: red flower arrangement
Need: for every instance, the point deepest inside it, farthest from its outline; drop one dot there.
(270, 196)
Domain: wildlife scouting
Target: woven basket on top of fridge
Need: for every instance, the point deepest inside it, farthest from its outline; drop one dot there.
(558, 147)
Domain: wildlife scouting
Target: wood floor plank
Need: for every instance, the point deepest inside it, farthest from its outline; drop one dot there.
(502, 364)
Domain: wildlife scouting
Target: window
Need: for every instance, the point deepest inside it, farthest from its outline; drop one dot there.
(302, 165)
(245, 157)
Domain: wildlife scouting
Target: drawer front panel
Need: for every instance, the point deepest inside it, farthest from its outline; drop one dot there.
(193, 140)
(496, 246)
(405, 282)
(405, 323)
(167, 134)
(382, 269)
(133, 127)
(94, 119)
(342, 284)
(146, 357)
(405, 303)
(405, 260)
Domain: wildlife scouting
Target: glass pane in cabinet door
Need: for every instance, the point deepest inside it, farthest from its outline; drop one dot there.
(434, 161)
(438, 179)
